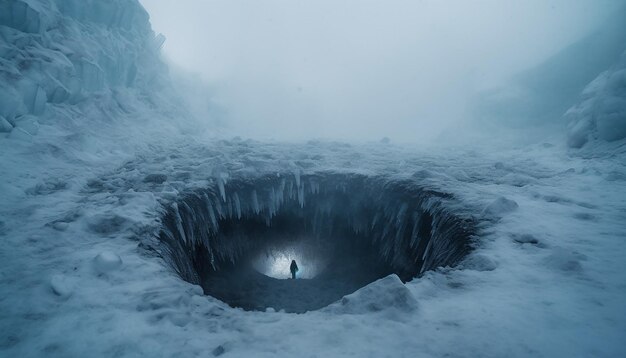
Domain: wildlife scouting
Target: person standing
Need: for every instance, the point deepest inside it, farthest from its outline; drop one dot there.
(293, 268)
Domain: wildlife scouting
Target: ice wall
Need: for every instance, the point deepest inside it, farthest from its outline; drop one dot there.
(601, 112)
(65, 62)
(410, 227)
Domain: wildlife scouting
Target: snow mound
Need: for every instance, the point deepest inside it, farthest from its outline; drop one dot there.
(564, 260)
(388, 293)
(107, 261)
(601, 112)
(499, 207)
(61, 286)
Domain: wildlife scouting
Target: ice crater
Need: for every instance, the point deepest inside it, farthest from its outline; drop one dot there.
(237, 237)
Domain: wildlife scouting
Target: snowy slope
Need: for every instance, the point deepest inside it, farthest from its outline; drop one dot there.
(88, 176)
(542, 94)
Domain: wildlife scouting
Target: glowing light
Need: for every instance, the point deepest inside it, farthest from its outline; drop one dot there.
(276, 263)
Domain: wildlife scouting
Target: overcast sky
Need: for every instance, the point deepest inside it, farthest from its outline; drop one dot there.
(361, 69)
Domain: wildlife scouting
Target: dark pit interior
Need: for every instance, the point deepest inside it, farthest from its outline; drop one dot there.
(237, 238)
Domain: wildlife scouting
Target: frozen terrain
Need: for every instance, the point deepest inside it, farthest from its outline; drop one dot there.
(98, 160)
(546, 279)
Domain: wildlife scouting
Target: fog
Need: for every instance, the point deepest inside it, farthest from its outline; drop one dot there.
(360, 70)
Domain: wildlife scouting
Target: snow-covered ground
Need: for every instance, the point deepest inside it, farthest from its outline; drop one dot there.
(94, 150)
(545, 280)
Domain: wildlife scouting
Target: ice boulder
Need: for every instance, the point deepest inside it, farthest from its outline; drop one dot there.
(107, 261)
(499, 207)
(60, 285)
(60, 226)
(386, 294)
(5, 126)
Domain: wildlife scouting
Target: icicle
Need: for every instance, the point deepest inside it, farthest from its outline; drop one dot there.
(301, 195)
(375, 220)
(255, 203)
(387, 229)
(273, 205)
(400, 216)
(212, 218)
(221, 182)
(427, 249)
(220, 209)
(296, 174)
(386, 249)
(179, 223)
(237, 205)
(281, 191)
(289, 190)
(191, 219)
(212, 259)
(415, 231)
(314, 186)
(229, 205)
(400, 224)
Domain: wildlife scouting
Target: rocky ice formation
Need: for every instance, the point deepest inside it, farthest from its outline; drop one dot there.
(601, 112)
(64, 60)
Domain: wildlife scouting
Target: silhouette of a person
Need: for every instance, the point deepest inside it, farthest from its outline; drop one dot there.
(293, 268)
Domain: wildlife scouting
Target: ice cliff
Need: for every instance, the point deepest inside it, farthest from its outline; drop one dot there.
(601, 112)
(65, 64)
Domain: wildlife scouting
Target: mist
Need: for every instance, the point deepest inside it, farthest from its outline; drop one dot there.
(345, 178)
(360, 70)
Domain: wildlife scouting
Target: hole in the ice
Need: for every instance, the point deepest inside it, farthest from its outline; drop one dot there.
(275, 262)
(238, 239)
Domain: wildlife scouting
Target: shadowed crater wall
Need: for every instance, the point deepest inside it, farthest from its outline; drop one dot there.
(345, 231)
